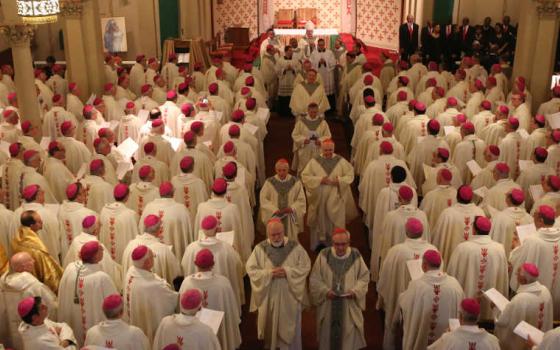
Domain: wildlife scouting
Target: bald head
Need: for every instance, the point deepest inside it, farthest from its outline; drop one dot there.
(282, 168)
(22, 262)
(275, 232)
(327, 148)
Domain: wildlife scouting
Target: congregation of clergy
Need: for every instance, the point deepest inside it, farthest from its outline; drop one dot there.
(132, 226)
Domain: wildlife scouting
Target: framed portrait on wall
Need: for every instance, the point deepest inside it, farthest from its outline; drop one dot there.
(114, 34)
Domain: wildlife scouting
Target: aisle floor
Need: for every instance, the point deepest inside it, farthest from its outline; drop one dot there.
(278, 144)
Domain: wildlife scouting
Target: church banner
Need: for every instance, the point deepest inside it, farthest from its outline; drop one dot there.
(348, 16)
(266, 15)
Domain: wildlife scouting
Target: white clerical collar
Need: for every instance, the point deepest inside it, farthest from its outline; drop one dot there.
(208, 240)
(470, 329)
(203, 275)
(529, 288)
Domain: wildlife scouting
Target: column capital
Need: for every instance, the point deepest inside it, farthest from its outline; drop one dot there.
(19, 34)
(548, 8)
(71, 8)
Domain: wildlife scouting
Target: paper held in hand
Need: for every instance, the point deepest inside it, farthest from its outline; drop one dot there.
(497, 298)
(481, 191)
(536, 192)
(524, 330)
(127, 148)
(415, 268)
(143, 115)
(524, 231)
(226, 237)
(553, 120)
(251, 128)
(474, 167)
(174, 141)
(211, 318)
(263, 114)
(123, 168)
(81, 172)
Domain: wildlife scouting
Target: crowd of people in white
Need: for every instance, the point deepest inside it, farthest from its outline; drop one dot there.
(131, 226)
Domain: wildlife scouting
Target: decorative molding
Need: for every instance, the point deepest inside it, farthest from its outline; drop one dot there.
(548, 8)
(71, 8)
(18, 35)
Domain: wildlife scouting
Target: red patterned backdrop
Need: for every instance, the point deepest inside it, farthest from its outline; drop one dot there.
(235, 13)
(378, 22)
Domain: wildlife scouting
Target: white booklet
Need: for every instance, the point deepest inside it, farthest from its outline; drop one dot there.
(536, 192)
(415, 268)
(211, 318)
(524, 231)
(123, 168)
(497, 298)
(481, 191)
(127, 148)
(226, 237)
(553, 120)
(474, 167)
(524, 330)
(448, 129)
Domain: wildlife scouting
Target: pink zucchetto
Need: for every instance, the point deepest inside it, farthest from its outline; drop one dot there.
(502, 168)
(95, 165)
(386, 147)
(197, 126)
(188, 136)
(139, 252)
(14, 149)
(414, 227)
(388, 127)
(149, 147)
(370, 100)
(237, 115)
(406, 193)
(165, 189)
(451, 101)
(26, 126)
(29, 192)
(487, 105)
(433, 257)
(172, 346)
(517, 196)
(251, 103)
(402, 96)
(234, 130)
(468, 127)
(157, 123)
(471, 306)
(204, 259)
(213, 88)
(88, 250)
(513, 121)
(171, 95)
(250, 81)
(191, 299)
(219, 186)
(30, 153)
(25, 306)
(482, 224)
(120, 191)
(503, 109)
(65, 127)
(151, 220)
(368, 79)
(546, 212)
(186, 162)
(419, 107)
(446, 174)
(531, 269)
(187, 109)
(229, 169)
(465, 193)
(209, 223)
(229, 146)
(443, 153)
(112, 302)
(495, 150)
(89, 221)
(378, 119)
(145, 171)
(72, 191)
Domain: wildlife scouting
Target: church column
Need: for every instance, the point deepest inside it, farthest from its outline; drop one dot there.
(545, 51)
(526, 39)
(74, 50)
(93, 48)
(19, 36)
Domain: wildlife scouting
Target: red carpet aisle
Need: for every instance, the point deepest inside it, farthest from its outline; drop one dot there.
(279, 144)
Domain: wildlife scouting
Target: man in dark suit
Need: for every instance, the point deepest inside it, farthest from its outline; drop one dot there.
(451, 45)
(408, 37)
(426, 40)
(466, 36)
